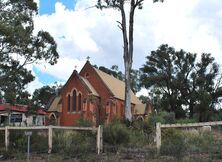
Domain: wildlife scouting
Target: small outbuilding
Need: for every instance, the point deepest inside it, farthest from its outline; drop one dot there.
(17, 115)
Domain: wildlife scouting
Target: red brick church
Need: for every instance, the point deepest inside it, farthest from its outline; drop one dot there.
(93, 95)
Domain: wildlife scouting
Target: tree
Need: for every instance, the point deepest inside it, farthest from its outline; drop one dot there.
(181, 83)
(20, 47)
(114, 71)
(135, 80)
(42, 96)
(127, 34)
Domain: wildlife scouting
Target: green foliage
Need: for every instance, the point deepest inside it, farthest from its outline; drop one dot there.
(116, 133)
(141, 134)
(186, 121)
(114, 71)
(74, 144)
(83, 122)
(161, 117)
(18, 141)
(177, 80)
(20, 47)
(200, 141)
(173, 144)
(42, 96)
(144, 99)
(193, 142)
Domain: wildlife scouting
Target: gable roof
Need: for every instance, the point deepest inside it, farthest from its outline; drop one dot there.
(54, 105)
(84, 81)
(116, 86)
(90, 87)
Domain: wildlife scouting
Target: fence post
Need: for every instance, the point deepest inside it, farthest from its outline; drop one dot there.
(50, 139)
(6, 138)
(99, 139)
(158, 137)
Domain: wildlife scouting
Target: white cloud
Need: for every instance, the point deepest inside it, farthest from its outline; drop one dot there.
(143, 92)
(87, 31)
(63, 69)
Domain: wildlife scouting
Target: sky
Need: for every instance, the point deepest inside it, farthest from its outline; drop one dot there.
(82, 30)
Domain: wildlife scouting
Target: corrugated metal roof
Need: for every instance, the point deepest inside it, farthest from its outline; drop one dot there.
(116, 86)
(19, 108)
(55, 104)
(139, 109)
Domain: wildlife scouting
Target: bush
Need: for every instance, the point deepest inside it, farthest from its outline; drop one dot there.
(80, 145)
(116, 133)
(200, 141)
(74, 144)
(82, 122)
(162, 117)
(186, 121)
(18, 141)
(173, 144)
(38, 141)
(143, 126)
(141, 133)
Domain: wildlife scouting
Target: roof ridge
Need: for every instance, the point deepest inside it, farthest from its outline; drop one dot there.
(116, 86)
(109, 75)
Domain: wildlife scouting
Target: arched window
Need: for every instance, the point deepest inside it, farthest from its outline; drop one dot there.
(74, 100)
(68, 103)
(80, 103)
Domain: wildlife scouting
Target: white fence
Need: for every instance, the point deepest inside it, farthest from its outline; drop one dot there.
(190, 125)
(99, 143)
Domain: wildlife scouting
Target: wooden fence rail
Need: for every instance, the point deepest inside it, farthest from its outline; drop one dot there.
(99, 138)
(189, 125)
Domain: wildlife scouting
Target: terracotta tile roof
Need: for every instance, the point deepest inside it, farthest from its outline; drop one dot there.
(116, 86)
(89, 86)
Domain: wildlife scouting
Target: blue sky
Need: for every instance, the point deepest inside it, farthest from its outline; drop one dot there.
(45, 78)
(48, 6)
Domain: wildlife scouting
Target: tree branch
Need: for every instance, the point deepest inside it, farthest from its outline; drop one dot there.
(120, 25)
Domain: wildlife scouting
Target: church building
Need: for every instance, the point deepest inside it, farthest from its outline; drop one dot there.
(93, 95)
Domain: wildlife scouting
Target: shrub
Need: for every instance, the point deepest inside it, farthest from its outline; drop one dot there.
(82, 122)
(38, 141)
(186, 121)
(200, 141)
(141, 133)
(80, 145)
(116, 133)
(18, 141)
(74, 144)
(173, 143)
(162, 117)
